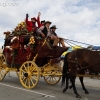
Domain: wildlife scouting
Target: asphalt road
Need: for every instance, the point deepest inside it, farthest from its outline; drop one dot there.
(11, 89)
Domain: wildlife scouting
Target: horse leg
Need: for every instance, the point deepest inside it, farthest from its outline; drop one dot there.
(70, 87)
(66, 87)
(74, 87)
(83, 86)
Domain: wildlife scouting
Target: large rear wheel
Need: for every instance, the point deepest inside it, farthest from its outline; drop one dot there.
(29, 74)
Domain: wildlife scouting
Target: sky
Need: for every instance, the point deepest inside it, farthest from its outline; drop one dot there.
(77, 20)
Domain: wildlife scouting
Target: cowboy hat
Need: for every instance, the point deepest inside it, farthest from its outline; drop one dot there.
(34, 19)
(53, 27)
(43, 21)
(47, 22)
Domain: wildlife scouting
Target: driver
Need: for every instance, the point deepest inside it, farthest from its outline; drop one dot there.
(54, 35)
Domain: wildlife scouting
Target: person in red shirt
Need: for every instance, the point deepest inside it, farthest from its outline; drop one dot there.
(31, 25)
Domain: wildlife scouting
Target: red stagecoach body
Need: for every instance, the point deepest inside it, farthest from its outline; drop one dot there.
(24, 53)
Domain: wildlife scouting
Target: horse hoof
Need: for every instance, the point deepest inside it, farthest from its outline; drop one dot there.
(70, 87)
(86, 92)
(64, 90)
(78, 96)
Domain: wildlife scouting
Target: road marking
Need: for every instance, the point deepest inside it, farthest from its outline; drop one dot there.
(44, 95)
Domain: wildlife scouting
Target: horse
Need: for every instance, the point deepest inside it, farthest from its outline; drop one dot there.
(77, 62)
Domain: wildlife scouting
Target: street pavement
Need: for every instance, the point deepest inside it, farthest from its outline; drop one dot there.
(11, 89)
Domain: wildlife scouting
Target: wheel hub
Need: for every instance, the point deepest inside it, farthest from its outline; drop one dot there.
(26, 74)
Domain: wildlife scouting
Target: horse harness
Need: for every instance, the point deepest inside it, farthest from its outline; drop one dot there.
(78, 66)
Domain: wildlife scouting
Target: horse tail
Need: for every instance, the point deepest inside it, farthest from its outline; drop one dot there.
(65, 69)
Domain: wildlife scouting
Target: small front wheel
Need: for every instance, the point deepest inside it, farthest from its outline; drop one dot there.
(54, 75)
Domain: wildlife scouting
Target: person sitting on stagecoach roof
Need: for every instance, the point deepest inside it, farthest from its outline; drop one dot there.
(54, 35)
(45, 31)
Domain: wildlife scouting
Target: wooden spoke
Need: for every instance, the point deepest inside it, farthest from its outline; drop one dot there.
(26, 81)
(23, 71)
(29, 82)
(32, 81)
(47, 78)
(34, 78)
(54, 78)
(23, 78)
(24, 67)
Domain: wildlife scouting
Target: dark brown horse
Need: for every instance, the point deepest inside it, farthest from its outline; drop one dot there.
(77, 62)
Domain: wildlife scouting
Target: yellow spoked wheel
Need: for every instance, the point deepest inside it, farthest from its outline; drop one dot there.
(3, 71)
(29, 74)
(53, 75)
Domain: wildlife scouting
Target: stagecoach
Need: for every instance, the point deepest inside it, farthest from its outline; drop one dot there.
(31, 57)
